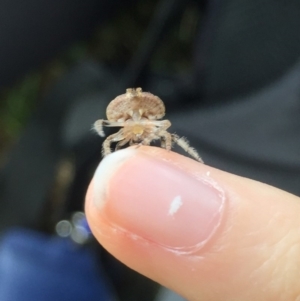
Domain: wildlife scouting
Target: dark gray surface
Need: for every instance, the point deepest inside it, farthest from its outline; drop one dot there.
(246, 45)
(33, 32)
(256, 136)
(29, 173)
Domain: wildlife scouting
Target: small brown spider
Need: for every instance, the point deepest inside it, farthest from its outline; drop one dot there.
(137, 112)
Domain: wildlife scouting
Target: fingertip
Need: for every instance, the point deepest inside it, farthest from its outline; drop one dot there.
(193, 228)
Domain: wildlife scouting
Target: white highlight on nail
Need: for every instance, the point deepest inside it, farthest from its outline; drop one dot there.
(175, 205)
(208, 173)
(105, 171)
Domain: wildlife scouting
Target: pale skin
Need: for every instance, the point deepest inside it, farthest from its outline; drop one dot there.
(253, 255)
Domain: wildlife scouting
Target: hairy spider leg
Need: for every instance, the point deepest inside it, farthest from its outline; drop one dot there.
(121, 143)
(133, 142)
(159, 133)
(161, 124)
(166, 139)
(109, 140)
(149, 138)
(184, 144)
(98, 125)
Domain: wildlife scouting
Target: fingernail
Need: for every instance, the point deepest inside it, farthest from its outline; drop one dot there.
(158, 200)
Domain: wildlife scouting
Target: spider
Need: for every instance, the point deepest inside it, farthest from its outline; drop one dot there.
(137, 113)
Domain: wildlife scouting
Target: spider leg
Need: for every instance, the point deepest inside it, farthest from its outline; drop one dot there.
(163, 142)
(98, 127)
(161, 124)
(132, 142)
(121, 143)
(149, 138)
(109, 140)
(113, 123)
(161, 133)
(166, 139)
(184, 144)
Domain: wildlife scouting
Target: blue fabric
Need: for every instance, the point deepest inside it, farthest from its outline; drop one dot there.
(34, 266)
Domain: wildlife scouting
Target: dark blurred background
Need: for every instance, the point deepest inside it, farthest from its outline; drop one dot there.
(43, 40)
(227, 70)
